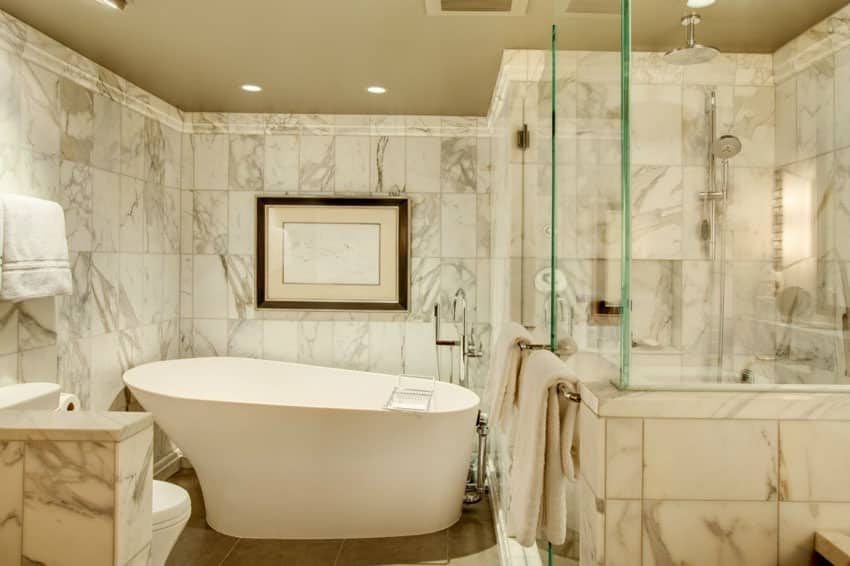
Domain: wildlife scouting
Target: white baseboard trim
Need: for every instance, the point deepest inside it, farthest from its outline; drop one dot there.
(168, 465)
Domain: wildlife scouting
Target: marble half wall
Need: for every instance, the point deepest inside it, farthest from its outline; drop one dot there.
(747, 480)
(73, 477)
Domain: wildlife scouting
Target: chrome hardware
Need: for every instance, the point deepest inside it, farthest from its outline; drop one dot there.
(476, 489)
(562, 389)
(467, 344)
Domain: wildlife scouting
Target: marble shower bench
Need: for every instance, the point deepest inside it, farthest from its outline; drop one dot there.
(75, 488)
(737, 478)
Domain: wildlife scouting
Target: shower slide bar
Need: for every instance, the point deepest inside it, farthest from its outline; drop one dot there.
(562, 389)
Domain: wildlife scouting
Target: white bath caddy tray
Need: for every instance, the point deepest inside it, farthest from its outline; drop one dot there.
(412, 393)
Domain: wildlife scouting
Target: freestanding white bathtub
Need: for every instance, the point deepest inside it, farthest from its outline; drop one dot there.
(287, 450)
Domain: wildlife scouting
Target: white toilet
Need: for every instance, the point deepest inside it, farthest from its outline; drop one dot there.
(171, 510)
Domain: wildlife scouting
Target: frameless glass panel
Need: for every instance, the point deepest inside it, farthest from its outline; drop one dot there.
(738, 174)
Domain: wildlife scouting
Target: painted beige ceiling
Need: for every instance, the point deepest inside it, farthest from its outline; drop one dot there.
(317, 56)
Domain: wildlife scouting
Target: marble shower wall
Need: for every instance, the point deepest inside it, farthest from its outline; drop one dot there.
(109, 153)
(442, 164)
(813, 190)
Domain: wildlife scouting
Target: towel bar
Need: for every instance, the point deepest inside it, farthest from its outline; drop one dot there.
(562, 389)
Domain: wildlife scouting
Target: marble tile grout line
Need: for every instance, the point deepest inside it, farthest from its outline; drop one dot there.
(229, 552)
(339, 552)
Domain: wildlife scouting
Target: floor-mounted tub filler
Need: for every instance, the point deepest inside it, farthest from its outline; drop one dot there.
(285, 450)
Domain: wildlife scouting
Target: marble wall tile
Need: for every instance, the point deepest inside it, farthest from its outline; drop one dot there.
(77, 121)
(754, 69)
(458, 164)
(153, 153)
(106, 206)
(209, 338)
(721, 70)
(624, 458)
(240, 286)
(246, 168)
(318, 164)
(280, 340)
(245, 338)
(153, 200)
(700, 295)
(352, 164)
(654, 294)
(131, 233)
(131, 290)
(814, 461)
(676, 467)
(598, 66)
(786, 121)
(815, 109)
(425, 233)
(8, 328)
(76, 199)
(622, 532)
(210, 222)
(750, 213)
(351, 344)
(657, 212)
(187, 161)
(842, 98)
(423, 164)
(798, 523)
(132, 143)
(657, 125)
(171, 220)
(69, 489)
(387, 155)
(598, 123)
(709, 533)
(651, 68)
(316, 343)
(457, 225)
(153, 289)
(240, 229)
(106, 141)
(210, 289)
(282, 163)
(420, 355)
(695, 119)
(755, 125)
(133, 495)
(11, 501)
(104, 304)
(211, 161)
(36, 99)
(424, 287)
(36, 324)
(386, 347)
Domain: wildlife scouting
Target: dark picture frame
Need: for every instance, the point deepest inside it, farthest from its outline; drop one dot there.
(399, 303)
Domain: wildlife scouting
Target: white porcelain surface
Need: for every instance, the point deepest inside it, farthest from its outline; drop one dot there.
(369, 458)
(29, 397)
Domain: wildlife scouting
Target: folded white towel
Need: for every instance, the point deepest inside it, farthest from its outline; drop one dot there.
(34, 249)
(545, 450)
(504, 371)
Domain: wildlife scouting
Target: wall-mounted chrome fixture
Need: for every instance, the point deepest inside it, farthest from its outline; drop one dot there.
(466, 342)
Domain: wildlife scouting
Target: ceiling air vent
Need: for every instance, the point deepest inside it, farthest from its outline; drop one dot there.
(476, 7)
(588, 7)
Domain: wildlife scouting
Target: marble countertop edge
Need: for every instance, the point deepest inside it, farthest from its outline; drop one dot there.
(606, 400)
(72, 426)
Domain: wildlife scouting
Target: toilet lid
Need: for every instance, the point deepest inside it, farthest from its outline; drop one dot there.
(169, 502)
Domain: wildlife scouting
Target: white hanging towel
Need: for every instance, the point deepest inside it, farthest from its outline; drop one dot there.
(34, 249)
(545, 450)
(504, 372)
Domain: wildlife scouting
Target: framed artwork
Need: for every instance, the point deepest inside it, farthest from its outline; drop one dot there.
(332, 253)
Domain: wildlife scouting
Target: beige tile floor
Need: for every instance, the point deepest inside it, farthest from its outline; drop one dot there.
(470, 542)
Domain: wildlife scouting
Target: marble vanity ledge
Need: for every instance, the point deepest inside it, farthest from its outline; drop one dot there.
(607, 401)
(73, 426)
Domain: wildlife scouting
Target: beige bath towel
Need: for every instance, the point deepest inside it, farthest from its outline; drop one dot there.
(504, 372)
(545, 450)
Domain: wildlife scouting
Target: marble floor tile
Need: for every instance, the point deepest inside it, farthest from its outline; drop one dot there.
(422, 549)
(252, 552)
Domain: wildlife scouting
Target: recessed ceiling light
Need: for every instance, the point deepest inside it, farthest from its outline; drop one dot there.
(114, 4)
(376, 89)
(252, 88)
(700, 3)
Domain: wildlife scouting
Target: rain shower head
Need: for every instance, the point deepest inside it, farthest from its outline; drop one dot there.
(693, 53)
(726, 147)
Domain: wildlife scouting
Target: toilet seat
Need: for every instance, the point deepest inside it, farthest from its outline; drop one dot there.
(171, 505)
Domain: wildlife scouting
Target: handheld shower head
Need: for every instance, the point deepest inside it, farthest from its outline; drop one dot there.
(726, 147)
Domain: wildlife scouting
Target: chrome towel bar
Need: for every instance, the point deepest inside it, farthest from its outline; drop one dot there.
(562, 389)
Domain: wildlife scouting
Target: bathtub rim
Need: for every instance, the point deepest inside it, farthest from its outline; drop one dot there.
(474, 404)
